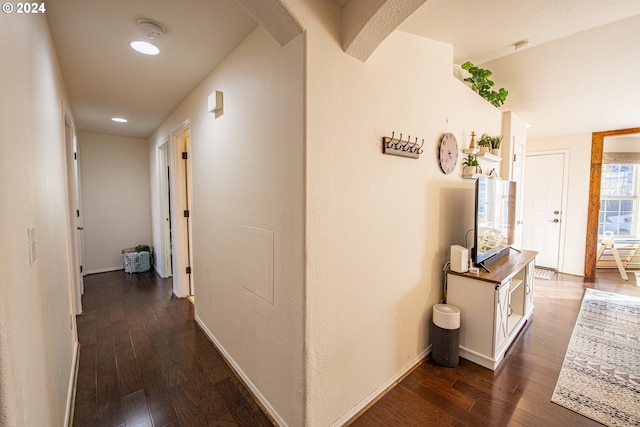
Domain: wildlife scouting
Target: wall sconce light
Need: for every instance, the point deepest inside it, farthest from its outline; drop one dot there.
(215, 103)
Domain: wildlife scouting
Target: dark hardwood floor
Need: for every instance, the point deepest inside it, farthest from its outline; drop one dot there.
(145, 362)
(519, 392)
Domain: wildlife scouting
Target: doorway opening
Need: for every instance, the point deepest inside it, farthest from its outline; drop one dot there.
(592, 239)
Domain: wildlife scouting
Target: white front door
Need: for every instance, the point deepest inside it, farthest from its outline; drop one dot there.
(543, 201)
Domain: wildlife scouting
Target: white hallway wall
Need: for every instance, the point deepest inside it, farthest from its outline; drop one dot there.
(247, 169)
(378, 227)
(115, 197)
(37, 340)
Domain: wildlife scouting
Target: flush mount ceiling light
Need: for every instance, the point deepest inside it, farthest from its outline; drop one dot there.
(150, 30)
(119, 120)
(143, 47)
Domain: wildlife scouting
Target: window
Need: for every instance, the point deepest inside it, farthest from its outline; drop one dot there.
(619, 200)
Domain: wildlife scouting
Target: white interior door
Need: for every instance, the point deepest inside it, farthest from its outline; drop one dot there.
(518, 177)
(543, 202)
(181, 238)
(164, 185)
(75, 221)
(79, 213)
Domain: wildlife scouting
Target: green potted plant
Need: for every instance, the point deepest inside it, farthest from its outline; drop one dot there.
(496, 141)
(481, 83)
(485, 143)
(471, 165)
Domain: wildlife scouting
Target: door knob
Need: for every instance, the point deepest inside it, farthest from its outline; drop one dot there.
(556, 212)
(555, 220)
(80, 228)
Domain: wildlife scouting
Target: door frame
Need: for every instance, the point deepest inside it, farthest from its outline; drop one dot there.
(73, 220)
(181, 245)
(563, 200)
(519, 180)
(164, 198)
(593, 206)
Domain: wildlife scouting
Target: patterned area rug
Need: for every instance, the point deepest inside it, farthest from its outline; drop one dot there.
(541, 273)
(600, 376)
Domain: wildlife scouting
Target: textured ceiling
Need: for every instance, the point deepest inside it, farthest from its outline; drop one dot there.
(106, 78)
(577, 76)
(586, 82)
(484, 30)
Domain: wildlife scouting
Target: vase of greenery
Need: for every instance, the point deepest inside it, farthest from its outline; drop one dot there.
(480, 82)
(496, 142)
(485, 143)
(471, 165)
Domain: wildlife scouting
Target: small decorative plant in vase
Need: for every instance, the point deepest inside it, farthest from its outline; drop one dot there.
(485, 143)
(496, 141)
(471, 165)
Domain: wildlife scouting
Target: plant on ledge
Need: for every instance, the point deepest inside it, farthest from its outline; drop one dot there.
(471, 165)
(480, 83)
(493, 142)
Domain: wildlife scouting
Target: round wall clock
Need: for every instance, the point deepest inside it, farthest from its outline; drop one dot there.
(448, 152)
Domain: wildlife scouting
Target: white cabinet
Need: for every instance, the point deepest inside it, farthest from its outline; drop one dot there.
(494, 306)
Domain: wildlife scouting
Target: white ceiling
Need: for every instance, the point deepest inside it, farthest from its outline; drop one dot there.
(106, 78)
(484, 30)
(577, 76)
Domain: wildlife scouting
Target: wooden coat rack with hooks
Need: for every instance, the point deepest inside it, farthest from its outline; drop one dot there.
(399, 147)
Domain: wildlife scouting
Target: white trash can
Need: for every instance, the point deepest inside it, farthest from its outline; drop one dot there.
(445, 335)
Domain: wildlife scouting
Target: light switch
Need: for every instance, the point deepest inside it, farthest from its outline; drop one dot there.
(33, 254)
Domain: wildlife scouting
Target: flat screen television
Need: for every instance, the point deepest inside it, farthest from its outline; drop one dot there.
(495, 220)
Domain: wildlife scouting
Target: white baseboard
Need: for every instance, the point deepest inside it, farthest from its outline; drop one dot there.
(371, 397)
(103, 270)
(265, 403)
(383, 388)
(73, 379)
(160, 273)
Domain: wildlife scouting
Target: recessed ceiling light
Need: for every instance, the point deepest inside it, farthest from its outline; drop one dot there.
(145, 48)
(119, 120)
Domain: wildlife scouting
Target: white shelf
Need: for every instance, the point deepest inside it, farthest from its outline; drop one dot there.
(490, 157)
(475, 176)
(470, 151)
(514, 320)
(515, 283)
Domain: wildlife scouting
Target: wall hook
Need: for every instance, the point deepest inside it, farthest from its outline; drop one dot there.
(412, 146)
(389, 141)
(397, 144)
(404, 146)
